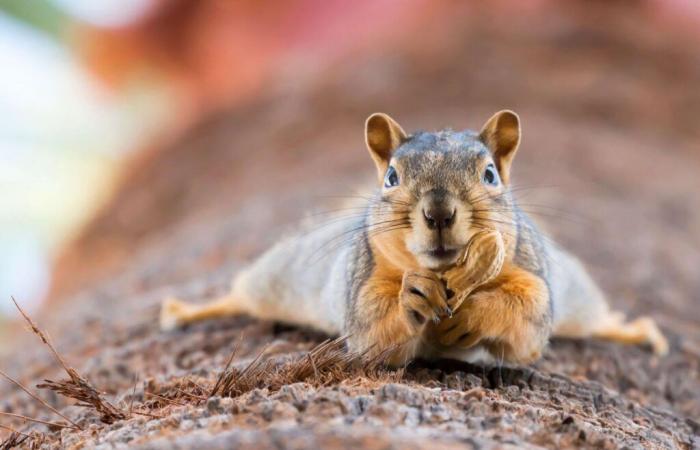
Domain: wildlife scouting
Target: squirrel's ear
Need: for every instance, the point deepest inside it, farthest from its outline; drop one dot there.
(382, 135)
(501, 134)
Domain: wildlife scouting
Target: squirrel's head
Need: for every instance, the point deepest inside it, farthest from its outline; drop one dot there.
(439, 189)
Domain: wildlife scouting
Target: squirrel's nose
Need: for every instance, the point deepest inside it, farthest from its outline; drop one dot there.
(439, 216)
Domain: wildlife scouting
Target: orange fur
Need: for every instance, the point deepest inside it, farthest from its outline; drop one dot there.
(509, 315)
(383, 324)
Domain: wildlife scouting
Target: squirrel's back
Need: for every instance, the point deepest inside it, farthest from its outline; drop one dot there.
(574, 298)
(301, 277)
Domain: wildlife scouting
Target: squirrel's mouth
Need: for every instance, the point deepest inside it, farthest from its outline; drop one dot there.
(436, 255)
(440, 258)
(443, 253)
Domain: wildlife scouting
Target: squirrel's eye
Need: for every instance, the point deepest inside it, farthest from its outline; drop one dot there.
(490, 175)
(391, 179)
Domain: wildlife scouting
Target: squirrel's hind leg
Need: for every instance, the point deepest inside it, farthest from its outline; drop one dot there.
(581, 310)
(639, 331)
(175, 313)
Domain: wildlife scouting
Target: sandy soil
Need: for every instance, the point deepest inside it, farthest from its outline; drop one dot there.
(609, 163)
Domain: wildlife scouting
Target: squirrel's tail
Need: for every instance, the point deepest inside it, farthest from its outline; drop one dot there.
(175, 313)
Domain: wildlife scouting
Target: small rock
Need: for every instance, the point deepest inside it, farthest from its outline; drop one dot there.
(214, 405)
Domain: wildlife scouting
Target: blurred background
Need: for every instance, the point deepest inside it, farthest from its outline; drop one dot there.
(151, 148)
(123, 120)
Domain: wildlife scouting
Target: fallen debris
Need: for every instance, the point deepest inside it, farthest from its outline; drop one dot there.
(76, 387)
(37, 398)
(15, 440)
(327, 363)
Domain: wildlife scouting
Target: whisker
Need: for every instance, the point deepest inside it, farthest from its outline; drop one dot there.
(376, 229)
(363, 211)
(510, 191)
(308, 229)
(372, 198)
(372, 233)
(546, 214)
(551, 259)
(329, 249)
(510, 234)
(353, 231)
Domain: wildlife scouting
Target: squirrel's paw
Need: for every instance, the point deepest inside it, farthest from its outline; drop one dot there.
(512, 339)
(423, 297)
(481, 263)
(654, 336)
(173, 313)
(457, 331)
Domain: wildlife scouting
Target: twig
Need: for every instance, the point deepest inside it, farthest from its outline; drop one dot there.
(31, 419)
(313, 364)
(165, 399)
(221, 377)
(41, 335)
(133, 394)
(189, 394)
(15, 439)
(37, 398)
(12, 430)
(77, 388)
(198, 386)
(143, 413)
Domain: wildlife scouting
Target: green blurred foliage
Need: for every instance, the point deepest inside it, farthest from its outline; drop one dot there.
(40, 14)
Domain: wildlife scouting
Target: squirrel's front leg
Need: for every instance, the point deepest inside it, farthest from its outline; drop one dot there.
(383, 321)
(510, 316)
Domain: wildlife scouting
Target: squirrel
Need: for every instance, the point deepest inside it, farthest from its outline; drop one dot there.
(440, 263)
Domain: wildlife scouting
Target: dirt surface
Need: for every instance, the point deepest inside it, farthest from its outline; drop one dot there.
(608, 164)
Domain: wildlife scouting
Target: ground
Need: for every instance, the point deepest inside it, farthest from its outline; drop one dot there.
(608, 165)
